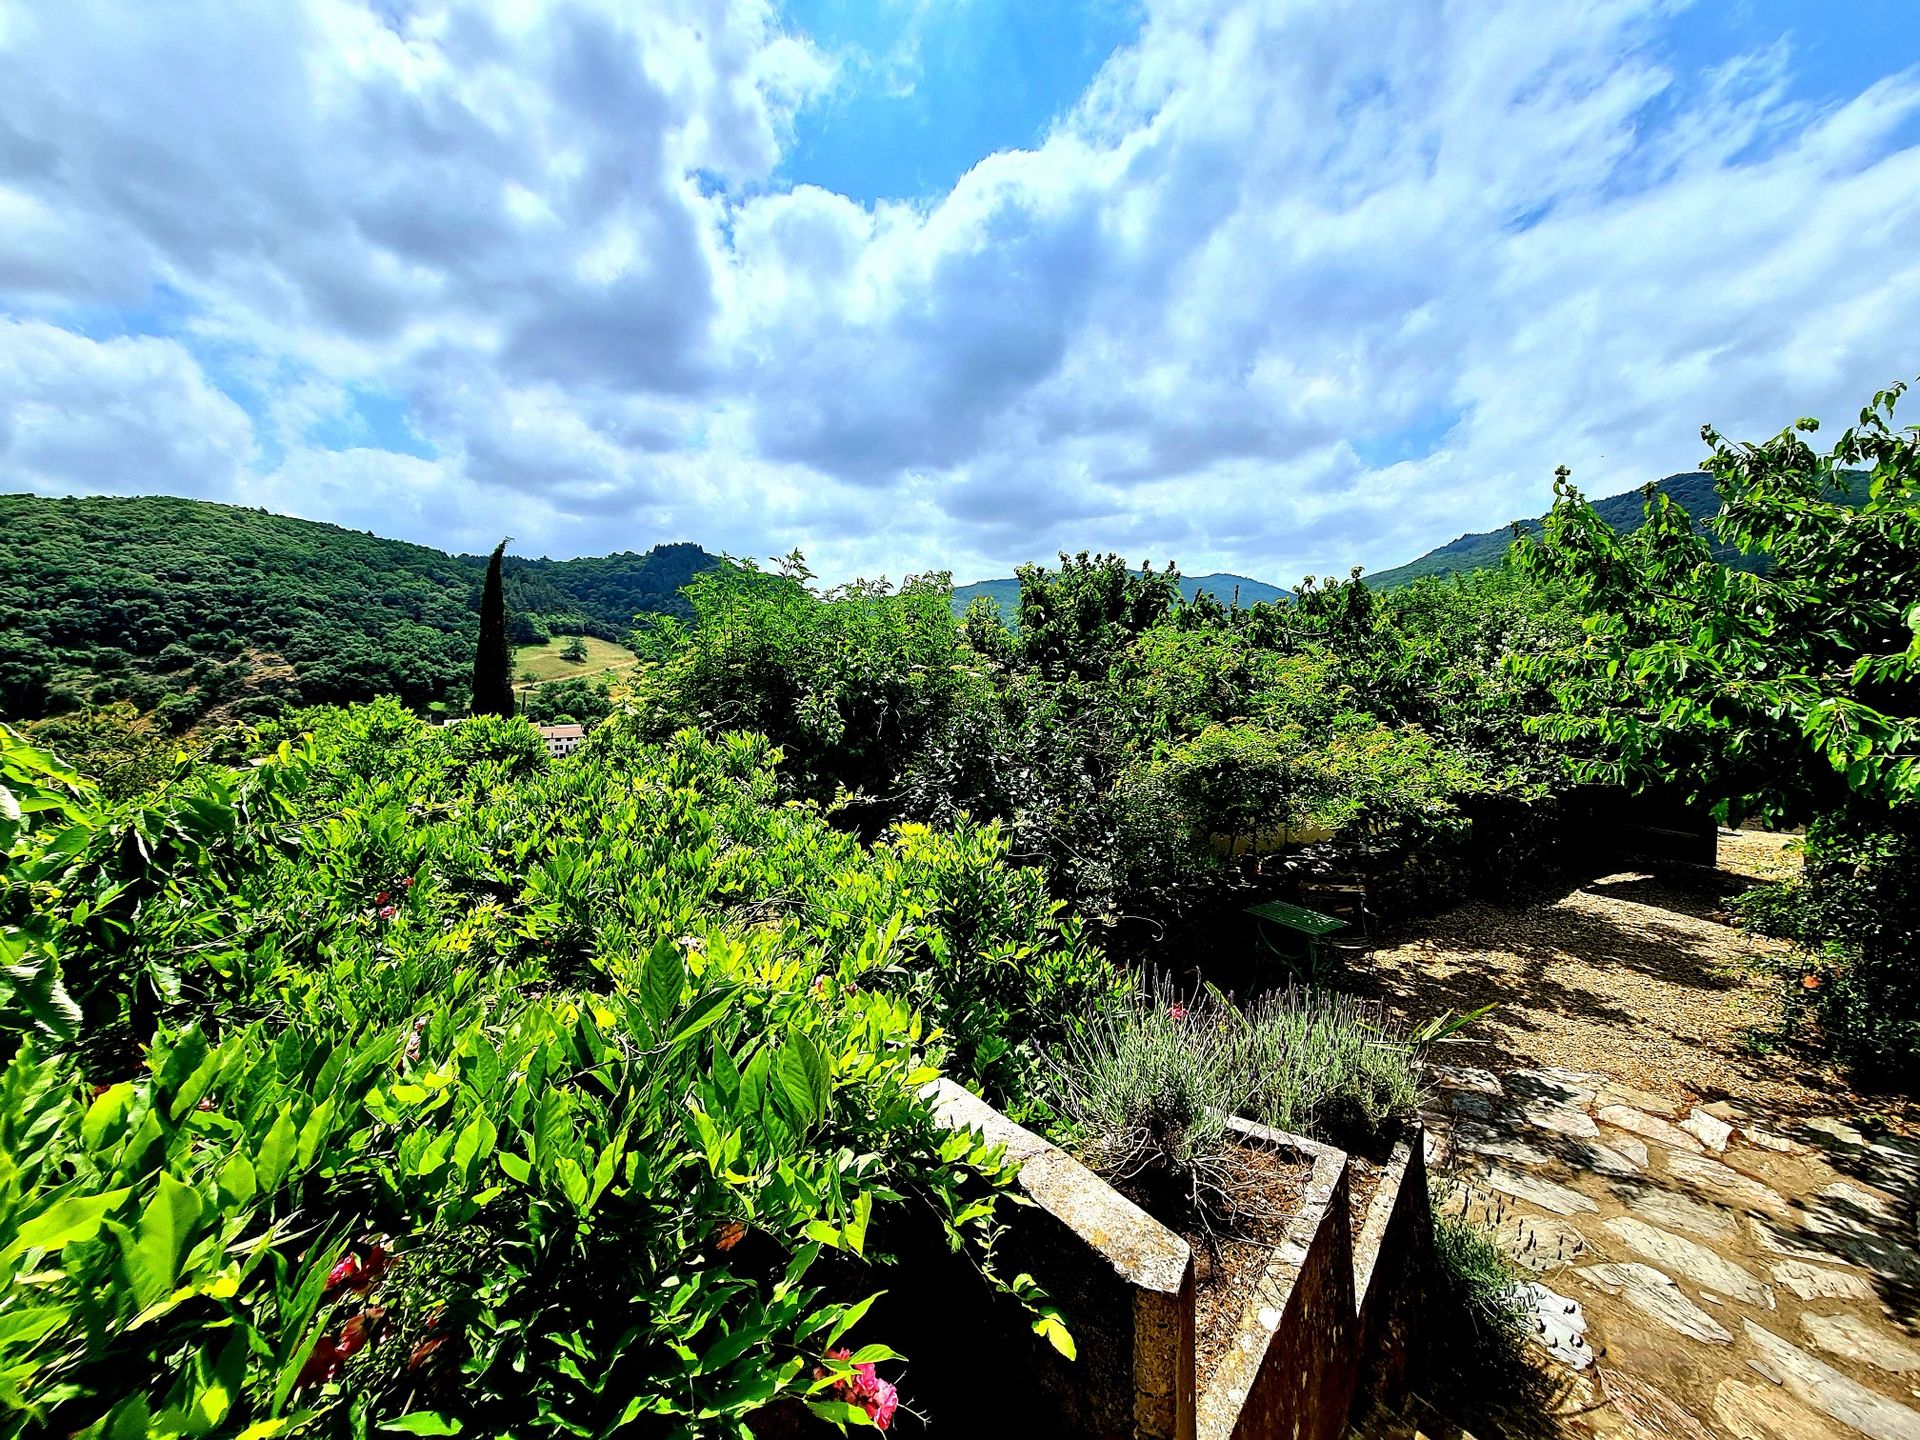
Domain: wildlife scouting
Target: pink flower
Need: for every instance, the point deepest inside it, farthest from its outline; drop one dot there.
(385, 912)
(879, 1398)
(345, 1273)
(1178, 1012)
(885, 1401)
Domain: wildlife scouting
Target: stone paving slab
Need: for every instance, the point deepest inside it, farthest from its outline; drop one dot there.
(1694, 1261)
(1758, 1411)
(1824, 1388)
(1849, 1335)
(1733, 1275)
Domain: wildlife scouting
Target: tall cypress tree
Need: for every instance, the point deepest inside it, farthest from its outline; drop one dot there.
(493, 661)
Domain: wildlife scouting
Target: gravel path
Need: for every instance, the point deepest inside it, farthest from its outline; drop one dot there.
(1637, 975)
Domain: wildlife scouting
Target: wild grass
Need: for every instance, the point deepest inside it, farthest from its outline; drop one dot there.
(545, 662)
(1478, 1360)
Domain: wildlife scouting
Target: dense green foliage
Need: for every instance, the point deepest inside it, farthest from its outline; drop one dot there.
(582, 699)
(411, 1074)
(1693, 491)
(1791, 693)
(1121, 731)
(183, 607)
(851, 685)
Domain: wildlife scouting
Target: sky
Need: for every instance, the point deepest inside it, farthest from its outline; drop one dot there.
(1277, 287)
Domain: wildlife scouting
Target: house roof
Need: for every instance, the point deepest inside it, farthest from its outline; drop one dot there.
(563, 732)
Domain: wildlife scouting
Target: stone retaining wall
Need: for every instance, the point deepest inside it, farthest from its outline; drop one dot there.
(1124, 1281)
(1392, 1260)
(1292, 1367)
(1329, 1319)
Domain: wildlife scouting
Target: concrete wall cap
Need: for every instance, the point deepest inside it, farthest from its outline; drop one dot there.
(1141, 1250)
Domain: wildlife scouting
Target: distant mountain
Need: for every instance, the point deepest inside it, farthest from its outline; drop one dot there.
(1692, 490)
(193, 607)
(1222, 586)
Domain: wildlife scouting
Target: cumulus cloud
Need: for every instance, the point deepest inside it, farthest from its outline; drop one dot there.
(1287, 288)
(127, 415)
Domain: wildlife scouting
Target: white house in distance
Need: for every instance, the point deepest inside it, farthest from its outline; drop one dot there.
(563, 739)
(560, 739)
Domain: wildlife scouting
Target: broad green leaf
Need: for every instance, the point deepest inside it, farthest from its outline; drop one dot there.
(23, 1327)
(661, 982)
(314, 1133)
(238, 1184)
(800, 1080)
(475, 1144)
(166, 1226)
(422, 1422)
(109, 1107)
(187, 1055)
(276, 1151)
(1055, 1334)
(76, 1218)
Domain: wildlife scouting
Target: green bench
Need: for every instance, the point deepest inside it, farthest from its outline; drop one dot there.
(1311, 929)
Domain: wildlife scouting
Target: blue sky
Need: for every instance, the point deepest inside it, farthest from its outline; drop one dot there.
(933, 89)
(1263, 285)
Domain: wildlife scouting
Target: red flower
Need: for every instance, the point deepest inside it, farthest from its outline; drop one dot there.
(381, 898)
(385, 912)
(1809, 982)
(359, 1331)
(345, 1273)
(407, 883)
(375, 1267)
(322, 1365)
(731, 1234)
(1178, 1012)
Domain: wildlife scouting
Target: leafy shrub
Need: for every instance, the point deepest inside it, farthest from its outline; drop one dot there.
(849, 683)
(1855, 914)
(408, 1073)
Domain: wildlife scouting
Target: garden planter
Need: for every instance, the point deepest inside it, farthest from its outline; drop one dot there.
(1326, 1319)
(1290, 1368)
(1392, 1258)
(1124, 1281)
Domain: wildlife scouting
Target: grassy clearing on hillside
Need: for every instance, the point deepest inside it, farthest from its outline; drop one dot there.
(545, 662)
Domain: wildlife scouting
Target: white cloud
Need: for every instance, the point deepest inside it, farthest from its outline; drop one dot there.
(1273, 250)
(127, 415)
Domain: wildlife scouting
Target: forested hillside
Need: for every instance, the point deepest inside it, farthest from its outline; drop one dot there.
(1691, 490)
(188, 607)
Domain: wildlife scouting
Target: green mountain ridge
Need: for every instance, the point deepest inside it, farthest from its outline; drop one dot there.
(1692, 490)
(190, 606)
(1222, 585)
